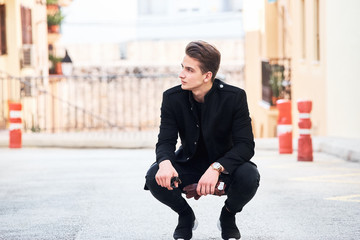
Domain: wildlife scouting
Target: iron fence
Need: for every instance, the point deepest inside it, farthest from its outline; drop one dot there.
(125, 102)
(86, 103)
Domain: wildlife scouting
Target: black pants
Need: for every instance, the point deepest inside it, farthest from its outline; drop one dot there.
(241, 186)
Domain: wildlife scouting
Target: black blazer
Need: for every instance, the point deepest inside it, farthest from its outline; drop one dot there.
(225, 123)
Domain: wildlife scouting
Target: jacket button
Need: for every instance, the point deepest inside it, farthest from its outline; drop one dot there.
(221, 86)
(191, 108)
(197, 125)
(195, 143)
(187, 158)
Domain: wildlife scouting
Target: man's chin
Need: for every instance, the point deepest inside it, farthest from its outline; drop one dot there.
(183, 87)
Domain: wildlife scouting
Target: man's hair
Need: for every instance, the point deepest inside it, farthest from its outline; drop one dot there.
(208, 56)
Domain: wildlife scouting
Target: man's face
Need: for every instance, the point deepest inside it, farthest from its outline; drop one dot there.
(191, 77)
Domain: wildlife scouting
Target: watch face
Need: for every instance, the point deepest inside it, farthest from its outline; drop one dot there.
(216, 165)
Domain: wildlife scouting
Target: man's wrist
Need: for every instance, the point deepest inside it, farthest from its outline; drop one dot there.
(218, 167)
(164, 162)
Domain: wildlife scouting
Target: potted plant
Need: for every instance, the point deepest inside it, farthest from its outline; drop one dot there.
(50, 2)
(276, 78)
(55, 65)
(54, 21)
(52, 6)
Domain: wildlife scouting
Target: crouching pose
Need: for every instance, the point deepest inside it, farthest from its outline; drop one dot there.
(212, 120)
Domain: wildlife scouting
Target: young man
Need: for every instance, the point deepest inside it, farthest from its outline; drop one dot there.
(212, 120)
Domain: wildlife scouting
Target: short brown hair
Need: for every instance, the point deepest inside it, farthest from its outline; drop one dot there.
(208, 56)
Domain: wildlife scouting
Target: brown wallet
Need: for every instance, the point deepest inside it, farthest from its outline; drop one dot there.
(190, 190)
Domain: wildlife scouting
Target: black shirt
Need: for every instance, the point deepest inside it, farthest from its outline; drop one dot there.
(200, 160)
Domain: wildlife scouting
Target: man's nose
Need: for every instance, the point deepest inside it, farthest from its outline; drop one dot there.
(181, 74)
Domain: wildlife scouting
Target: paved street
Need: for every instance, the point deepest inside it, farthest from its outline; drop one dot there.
(82, 194)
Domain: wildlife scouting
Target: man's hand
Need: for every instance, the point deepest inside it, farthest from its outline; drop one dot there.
(165, 173)
(207, 182)
(190, 190)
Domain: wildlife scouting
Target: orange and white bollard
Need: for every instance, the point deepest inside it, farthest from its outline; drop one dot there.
(284, 127)
(305, 150)
(15, 135)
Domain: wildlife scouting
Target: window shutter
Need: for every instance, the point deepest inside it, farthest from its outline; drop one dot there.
(26, 25)
(23, 27)
(2, 30)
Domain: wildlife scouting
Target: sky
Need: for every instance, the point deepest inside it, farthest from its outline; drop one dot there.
(116, 21)
(86, 21)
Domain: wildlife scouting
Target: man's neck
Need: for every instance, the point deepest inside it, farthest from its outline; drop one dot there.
(199, 94)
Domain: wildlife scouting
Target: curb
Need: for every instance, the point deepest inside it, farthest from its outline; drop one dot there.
(126, 140)
(345, 148)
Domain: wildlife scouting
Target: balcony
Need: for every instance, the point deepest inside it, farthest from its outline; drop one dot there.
(54, 20)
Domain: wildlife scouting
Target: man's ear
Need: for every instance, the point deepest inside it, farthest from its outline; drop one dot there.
(208, 76)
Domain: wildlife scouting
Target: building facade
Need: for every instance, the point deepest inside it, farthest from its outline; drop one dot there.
(315, 44)
(25, 37)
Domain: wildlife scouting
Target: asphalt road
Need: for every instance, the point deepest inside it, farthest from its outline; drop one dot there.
(98, 194)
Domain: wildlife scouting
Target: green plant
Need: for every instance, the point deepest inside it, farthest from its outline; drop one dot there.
(276, 78)
(54, 60)
(55, 19)
(35, 129)
(49, 2)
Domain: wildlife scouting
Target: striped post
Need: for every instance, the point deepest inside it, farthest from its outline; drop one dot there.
(305, 150)
(284, 126)
(15, 138)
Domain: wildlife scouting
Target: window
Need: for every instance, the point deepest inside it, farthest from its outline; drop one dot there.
(2, 30)
(316, 30)
(303, 29)
(26, 25)
(152, 7)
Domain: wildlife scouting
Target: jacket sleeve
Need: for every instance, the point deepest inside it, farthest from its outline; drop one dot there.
(242, 136)
(167, 138)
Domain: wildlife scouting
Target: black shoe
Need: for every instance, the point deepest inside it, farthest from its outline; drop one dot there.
(227, 225)
(186, 224)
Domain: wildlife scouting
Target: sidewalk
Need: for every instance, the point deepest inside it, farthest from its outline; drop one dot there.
(97, 194)
(347, 149)
(344, 148)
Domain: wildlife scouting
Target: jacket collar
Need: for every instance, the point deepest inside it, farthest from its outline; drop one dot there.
(213, 89)
(215, 85)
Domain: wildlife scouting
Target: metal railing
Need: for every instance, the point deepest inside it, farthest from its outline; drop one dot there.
(87, 103)
(125, 102)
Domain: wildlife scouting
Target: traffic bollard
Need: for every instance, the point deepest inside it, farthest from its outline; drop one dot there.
(284, 127)
(305, 150)
(15, 135)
